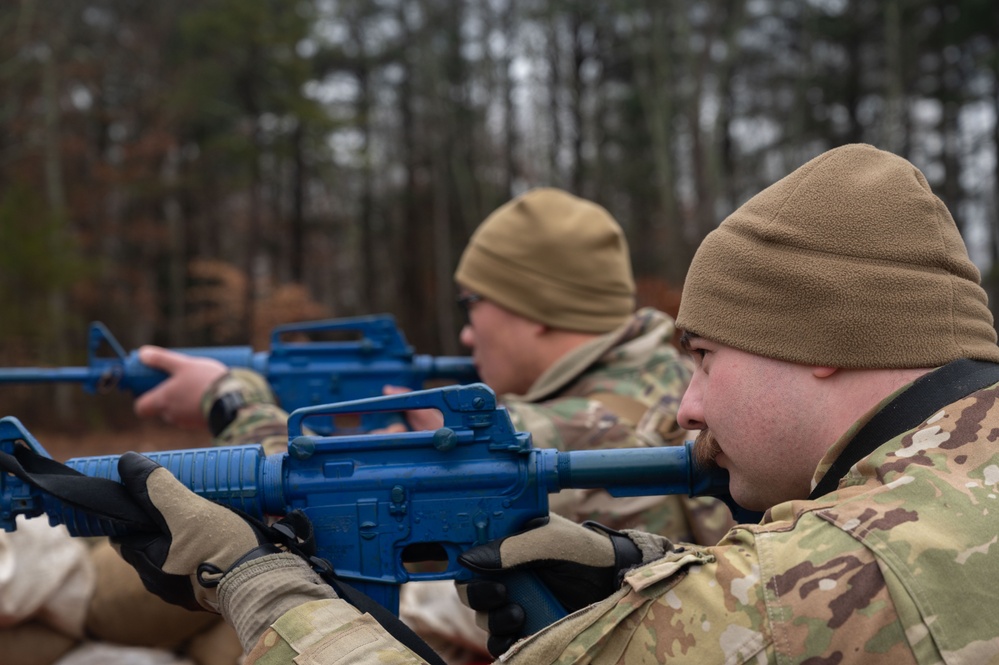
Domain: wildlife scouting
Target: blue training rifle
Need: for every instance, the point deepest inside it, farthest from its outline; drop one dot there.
(375, 499)
(301, 373)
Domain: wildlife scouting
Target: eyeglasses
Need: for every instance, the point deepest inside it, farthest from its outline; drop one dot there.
(465, 302)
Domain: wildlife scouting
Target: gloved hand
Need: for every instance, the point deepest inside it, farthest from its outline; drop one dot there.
(580, 564)
(198, 541)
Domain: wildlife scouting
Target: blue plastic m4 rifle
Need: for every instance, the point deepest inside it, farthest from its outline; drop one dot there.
(377, 499)
(301, 373)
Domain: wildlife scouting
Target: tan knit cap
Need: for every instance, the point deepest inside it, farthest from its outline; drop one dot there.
(850, 261)
(553, 258)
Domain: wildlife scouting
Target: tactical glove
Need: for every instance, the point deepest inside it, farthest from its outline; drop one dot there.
(197, 542)
(580, 564)
(200, 542)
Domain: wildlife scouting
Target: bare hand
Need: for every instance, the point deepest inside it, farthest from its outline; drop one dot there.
(418, 419)
(393, 428)
(177, 400)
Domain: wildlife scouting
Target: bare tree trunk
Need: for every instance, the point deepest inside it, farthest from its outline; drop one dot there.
(253, 233)
(56, 196)
(854, 94)
(366, 214)
(995, 171)
(177, 250)
(443, 284)
(554, 88)
(509, 110)
(892, 124)
(254, 217)
(702, 148)
(734, 19)
(298, 176)
(575, 177)
(654, 79)
(989, 279)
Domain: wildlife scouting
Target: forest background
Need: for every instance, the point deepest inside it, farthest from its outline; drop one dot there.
(195, 172)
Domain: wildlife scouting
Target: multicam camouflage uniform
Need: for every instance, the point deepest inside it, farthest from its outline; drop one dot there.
(896, 566)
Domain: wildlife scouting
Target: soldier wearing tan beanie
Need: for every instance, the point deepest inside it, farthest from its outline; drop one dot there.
(554, 258)
(550, 301)
(846, 377)
(850, 261)
(877, 468)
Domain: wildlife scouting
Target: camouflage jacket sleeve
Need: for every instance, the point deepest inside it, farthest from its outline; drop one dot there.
(283, 612)
(260, 421)
(802, 593)
(328, 632)
(778, 593)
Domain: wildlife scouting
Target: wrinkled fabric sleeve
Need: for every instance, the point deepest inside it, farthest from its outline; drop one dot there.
(262, 420)
(328, 632)
(696, 605)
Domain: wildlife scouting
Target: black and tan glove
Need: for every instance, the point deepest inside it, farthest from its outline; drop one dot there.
(206, 556)
(198, 541)
(580, 564)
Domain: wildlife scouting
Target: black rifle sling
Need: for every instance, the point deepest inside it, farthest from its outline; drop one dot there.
(927, 395)
(109, 500)
(101, 497)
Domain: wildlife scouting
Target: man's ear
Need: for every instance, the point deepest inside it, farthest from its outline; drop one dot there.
(824, 372)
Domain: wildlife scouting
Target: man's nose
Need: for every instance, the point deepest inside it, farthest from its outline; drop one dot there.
(691, 413)
(467, 335)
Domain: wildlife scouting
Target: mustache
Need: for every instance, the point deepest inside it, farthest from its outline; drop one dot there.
(706, 448)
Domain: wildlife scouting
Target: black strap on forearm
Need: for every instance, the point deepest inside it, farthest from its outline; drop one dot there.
(110, 500)
(927, 395)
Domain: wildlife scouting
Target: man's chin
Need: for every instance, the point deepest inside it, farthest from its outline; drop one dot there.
(745, 497)
(720, 460)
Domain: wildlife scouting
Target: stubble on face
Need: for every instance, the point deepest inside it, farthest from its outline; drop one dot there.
(706, 448)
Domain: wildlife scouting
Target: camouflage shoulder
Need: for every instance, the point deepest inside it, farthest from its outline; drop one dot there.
(828, 595)
(663, 375)
(572, 423)
(781, 592)
(695, 605)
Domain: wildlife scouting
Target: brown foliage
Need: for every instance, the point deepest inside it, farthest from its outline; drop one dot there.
(218, 297)
(658, 293)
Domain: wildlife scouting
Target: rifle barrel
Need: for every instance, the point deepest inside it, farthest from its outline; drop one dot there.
(46, 374)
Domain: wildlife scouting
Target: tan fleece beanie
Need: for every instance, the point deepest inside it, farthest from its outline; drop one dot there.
(850, 261)
(553, 258)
